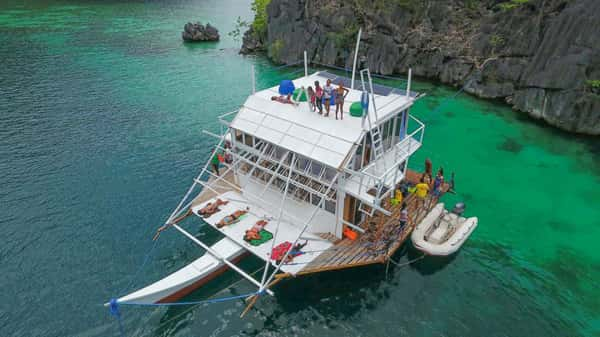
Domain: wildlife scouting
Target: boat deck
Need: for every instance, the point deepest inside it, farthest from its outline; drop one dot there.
(287, 231)
(378, 243)
(220, 187)
(382, 237)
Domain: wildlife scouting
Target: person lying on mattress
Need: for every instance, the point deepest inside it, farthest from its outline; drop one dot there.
(254, 232)
(232, 218)
(281, 249)
(211, 208)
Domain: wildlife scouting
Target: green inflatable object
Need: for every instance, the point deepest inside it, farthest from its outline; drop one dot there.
(302, 97)
(356, 110)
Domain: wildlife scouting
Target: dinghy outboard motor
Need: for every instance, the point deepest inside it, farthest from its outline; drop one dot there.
(459, 208)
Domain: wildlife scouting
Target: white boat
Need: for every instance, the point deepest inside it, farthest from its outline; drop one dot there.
(189, 278)
(441, 232)
(307, 183)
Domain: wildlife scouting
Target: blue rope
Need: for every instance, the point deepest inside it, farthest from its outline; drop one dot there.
(114, 305)
(209, 301)
(137, 273)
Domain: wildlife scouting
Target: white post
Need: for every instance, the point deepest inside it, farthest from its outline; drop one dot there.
(355, 57)
(305, 64)
(253, 80)
(408, 84)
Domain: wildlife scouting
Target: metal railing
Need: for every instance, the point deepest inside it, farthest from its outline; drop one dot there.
(401, 151)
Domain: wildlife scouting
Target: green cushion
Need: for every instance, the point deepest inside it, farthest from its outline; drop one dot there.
(302, 97)
(265, 236)
(356, 109)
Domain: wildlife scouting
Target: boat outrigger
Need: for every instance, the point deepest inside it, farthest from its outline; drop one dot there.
(302, 192)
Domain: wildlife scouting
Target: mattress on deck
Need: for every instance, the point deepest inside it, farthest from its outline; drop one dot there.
(287, 231)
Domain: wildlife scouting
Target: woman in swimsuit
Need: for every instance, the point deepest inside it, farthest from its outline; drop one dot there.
(327, 93)
(340, 94)
(228, 220)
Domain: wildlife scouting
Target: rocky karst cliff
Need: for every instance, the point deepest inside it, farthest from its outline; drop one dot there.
(541, 56)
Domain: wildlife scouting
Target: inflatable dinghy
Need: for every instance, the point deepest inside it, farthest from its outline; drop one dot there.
(441, 232)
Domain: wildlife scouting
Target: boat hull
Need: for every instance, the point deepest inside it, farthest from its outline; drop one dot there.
(447, 246)
(189, 278)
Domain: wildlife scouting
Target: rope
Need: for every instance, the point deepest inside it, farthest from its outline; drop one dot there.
(145, 261)
(217, 293)
(114, 305)
(208, 301)
(406, 263)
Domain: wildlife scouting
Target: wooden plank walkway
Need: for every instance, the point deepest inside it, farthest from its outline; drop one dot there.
(378, 243)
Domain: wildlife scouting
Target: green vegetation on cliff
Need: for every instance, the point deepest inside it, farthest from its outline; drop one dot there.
(259, 26)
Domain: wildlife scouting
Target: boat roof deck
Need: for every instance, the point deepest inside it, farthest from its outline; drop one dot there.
(303, 131)
(287, 231)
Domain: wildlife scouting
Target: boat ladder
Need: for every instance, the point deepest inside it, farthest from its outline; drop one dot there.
(376, 139)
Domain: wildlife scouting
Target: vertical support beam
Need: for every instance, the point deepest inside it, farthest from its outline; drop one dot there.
(355, 57)
(394, 135)
(305, 64)
(339, 209)
(306, 224)
(402, 132)
(253, 80)
(408, 83)
(285, 192)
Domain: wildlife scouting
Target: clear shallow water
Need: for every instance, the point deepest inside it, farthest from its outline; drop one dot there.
(100, 134)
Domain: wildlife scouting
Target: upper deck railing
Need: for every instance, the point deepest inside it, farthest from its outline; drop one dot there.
(373, 176)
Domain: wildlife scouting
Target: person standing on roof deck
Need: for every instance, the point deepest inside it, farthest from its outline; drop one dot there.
(319, 97)
(340, 94)
(312, 99)
(327, 93)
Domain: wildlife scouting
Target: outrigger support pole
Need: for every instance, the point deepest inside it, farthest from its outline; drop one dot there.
(253, 80)
(222, 259)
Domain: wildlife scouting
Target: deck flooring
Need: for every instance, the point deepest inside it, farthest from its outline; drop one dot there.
(220, 186)
(378, 243)
(375, 246)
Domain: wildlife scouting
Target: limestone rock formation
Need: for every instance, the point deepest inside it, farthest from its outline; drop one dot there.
(540, 56)
(195, 32)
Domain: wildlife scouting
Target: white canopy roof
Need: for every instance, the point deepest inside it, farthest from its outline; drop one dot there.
(307, 133)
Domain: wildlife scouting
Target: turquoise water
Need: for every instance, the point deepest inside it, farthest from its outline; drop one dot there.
(100, 135)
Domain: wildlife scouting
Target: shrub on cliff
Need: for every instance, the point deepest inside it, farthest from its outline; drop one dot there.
(259, 26)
